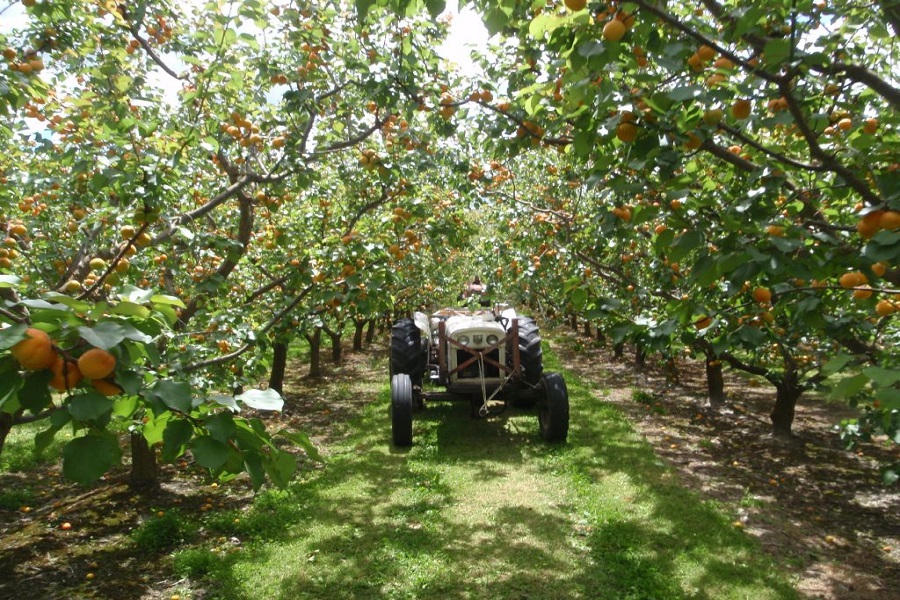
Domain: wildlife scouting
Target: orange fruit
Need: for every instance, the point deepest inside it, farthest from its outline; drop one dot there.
(845, 124)
(741, 109)
(775, 230)
(614, 30)
(879, 269)
(889, 220)
(862, 293)
(870, 224)
(626, 132)
(96, 363)
(852, 279)
(885, 308)
(65, 374)
(36, 351)
(575, 5)
(106, 387)
(706, 53)
(762, 295)
(703, 322)
(870, 126)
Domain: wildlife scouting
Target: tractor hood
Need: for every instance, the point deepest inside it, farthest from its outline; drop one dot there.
(472, 326)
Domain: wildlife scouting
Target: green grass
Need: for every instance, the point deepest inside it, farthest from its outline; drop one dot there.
(484, 509)
(19, 454)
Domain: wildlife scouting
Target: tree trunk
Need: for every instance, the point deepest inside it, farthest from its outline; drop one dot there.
(370, 331)
(601, 337)
(587, 329)
(715, 382)
(619, 350)
(573, 322)
(358, 335)
(335, 337)
(144, 472)
(640, 356)
(279, 364)
(787, 394)
(315, 352)
(6, 425)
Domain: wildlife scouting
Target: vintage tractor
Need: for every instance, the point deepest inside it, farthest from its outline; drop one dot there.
(476, 355)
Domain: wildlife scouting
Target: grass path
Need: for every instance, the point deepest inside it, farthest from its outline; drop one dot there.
(483, 509)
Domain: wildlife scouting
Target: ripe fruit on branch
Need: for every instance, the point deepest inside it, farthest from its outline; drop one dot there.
(741, 109)
(575, 5)
(762, 295)
(36, 351)
(626, 132)
(106, 387)
(853, 279)
(885, 308)
(66, 374)
(614, 30)
(96, 363)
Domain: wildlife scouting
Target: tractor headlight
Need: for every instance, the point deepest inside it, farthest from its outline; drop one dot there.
(491, 339)
(463, 339)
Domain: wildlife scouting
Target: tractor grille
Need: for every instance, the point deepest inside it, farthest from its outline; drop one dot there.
(472, 371)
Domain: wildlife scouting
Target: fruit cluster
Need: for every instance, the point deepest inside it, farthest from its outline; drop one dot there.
(37, 353)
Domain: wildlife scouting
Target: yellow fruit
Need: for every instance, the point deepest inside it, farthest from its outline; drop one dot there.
(96, 363)
(36, 351)
(845, 124)
(713, 116)
(65, 374)
(614, 30)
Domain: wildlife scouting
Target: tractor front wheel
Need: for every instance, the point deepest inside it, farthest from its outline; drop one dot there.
(401, 409)
(553, 408)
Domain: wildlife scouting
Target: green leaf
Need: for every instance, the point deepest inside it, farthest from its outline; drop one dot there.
(8, 281)
(220, 426)
(89, 406)
(849, 386)
(167, 300)
(889, 398)
(11, 335)
(253, 465)
(301, 439)
(267, 399)
(35, 394)
(87, 458)
(881, 376)
(280, 467)
(174, 394)
(175, 438)
(836, 364)
(684, 244)
(777, 50)
(685, 92)
(209, 453)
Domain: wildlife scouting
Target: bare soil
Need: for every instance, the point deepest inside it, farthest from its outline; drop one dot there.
(818, 508)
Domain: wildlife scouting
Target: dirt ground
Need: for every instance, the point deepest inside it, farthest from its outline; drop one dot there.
(821, 509)
(817, 507)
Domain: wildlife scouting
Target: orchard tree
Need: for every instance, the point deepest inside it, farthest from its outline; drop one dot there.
(184, 187)
(739, 162)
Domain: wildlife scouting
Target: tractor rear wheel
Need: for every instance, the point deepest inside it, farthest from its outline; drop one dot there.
(401, 410)
(553, 408)
(407, 354)
(531, 356)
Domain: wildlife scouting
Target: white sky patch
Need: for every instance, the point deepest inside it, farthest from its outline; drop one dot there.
(467, 31)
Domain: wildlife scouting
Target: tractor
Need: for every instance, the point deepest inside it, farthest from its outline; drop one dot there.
(478, 355)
